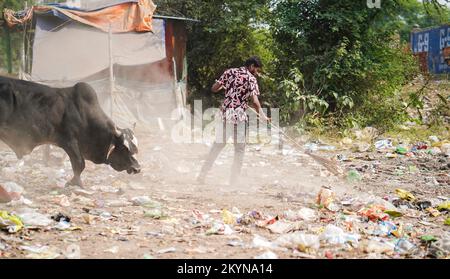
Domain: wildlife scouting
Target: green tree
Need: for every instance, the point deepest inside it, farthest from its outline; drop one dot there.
(415, 13)
(229, 32)
(10, 38)
(342, 60)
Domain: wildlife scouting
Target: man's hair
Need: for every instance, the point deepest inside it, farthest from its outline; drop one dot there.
(254, 61)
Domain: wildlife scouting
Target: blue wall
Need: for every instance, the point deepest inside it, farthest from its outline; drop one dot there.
(433, 41)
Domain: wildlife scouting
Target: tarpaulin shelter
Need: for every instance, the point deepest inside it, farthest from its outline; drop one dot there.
(134, 59)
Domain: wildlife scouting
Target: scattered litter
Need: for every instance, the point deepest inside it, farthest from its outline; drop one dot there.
(335, 235)
(261, 242)
(306, 214)
(447, 222)
(422, 205)
(374, 213)
(326, 198)
(10, 222)
(10, 191)
(444, 206)
(267, 256)
(353, 176)
(40, 252)
(118, 203)
(63, 200)
(302, 255)
(167, 250)
(383, 144)
(385, 228)
(155, 213)
(363, 147)
(199, 250)
(235, 243)
(145, 201)
(62, 225)
(88, 219)
(20, 201)
(83, 192)
(433, 139)
(228, 217)
(148, 257)
(30, 218)
(379, 246)
(433, 212)
(281, 227)
(113, 250)
(61, 217)
(300, 241)
(405, 195)
(409, 223)
(393, 213)
(428, 238)
(428, 224)
(404, 246)
(105, 189)
(220, 229)
(401, 150)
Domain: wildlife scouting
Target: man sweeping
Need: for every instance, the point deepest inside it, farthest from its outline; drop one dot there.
(240, 87)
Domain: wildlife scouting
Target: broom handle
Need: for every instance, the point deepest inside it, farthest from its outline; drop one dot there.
(336, 170)
(279, 130)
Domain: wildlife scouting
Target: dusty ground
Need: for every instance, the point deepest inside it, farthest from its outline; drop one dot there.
(104, 223)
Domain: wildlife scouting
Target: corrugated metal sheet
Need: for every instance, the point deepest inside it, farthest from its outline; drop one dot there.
(429, 45)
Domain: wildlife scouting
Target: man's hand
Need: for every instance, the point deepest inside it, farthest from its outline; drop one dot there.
(259, 110)
(217, 87)
(264, 117)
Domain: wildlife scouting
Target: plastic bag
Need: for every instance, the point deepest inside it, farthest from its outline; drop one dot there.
(9, 222)
(405, 195)
(298, 240)
(336, 235)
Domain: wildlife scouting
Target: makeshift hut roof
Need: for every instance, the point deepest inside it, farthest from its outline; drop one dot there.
(119, 16)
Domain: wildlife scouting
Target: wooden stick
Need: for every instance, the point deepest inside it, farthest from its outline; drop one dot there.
(327, 163)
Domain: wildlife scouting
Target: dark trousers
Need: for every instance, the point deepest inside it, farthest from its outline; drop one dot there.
(224, 131)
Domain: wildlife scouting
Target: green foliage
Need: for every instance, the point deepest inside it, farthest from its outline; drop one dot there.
(349, 61)
(229, 32)
(327, 62)
(15, 37)
(12, 4)
(415, 14)
(336, 60)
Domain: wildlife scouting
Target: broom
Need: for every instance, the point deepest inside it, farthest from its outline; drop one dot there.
(330, 165)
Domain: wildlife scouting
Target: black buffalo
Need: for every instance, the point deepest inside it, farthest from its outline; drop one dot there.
(71, 118)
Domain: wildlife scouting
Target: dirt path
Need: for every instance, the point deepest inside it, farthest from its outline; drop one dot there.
(105, 224)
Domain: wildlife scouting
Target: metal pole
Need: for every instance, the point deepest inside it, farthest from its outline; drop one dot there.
(22, 48)
(111, 69)
(8, 48)
(175, 88)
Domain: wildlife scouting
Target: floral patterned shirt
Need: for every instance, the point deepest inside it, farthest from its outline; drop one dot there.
(239, 86)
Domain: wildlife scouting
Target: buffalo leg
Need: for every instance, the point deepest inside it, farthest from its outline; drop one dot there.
(77, 162)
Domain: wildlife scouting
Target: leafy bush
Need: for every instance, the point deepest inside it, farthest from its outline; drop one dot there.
(341, 62)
